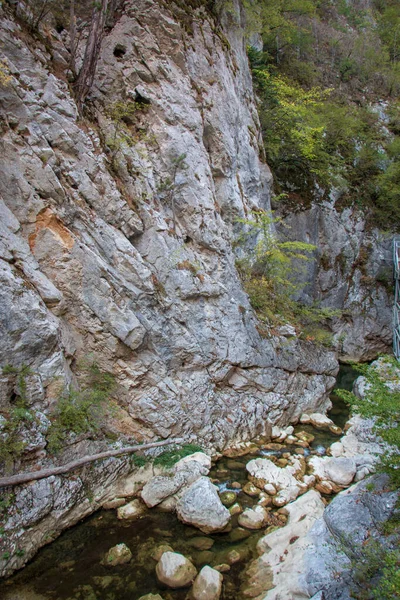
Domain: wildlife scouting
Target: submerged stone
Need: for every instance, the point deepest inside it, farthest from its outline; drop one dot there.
(175, 571)
(117, 555)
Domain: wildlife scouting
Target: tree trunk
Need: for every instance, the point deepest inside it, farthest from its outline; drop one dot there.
(86, 75)
(72, 37)
(35, 475)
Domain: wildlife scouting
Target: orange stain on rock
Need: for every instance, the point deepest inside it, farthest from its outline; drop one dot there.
(46, 219)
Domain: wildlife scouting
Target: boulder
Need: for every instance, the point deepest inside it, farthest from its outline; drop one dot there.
(159, 488)
(340, 471)
(207, 585)
(117, 555)
(175, 571)
(253, 518)
(201, 506)
(131, 511)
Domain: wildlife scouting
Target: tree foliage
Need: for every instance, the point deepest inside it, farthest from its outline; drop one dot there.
(322, 68)
(382, 402)
(270, 271)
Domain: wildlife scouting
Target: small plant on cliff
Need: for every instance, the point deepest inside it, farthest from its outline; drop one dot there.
(16, 418)
(169, 458)
(80, 411)
(270, 273)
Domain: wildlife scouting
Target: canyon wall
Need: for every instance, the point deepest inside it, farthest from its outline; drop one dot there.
(116, 247)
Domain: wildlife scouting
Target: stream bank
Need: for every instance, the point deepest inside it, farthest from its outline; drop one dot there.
(71, 567)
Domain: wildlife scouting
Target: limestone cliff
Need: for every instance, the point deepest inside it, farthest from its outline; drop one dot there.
(116, 243)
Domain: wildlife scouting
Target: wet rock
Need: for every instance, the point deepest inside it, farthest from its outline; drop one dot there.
(132, 510)
(200, 506)
(175, 571)
(238, 534)
(159, 551)
(201, 543)
(222, 568)
(151, 597)
(117, 555)
(207, 585)
(205, 557)
(115, 503)
(251, 490)
(228, 498)
(235, 509)
(253, 518)
(335, 430)
(235, 465)
(236, 485)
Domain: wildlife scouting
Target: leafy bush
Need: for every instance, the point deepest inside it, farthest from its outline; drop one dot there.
(80, 411)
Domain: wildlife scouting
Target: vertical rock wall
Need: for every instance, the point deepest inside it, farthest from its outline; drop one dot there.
(116, 244)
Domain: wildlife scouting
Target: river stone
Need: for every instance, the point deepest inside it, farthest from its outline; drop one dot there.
(200, 506)
(253, 518)
(159, 551)
(201, 543)
(204, 557)
(151, 597)
(175, 571)
(238, 534)
(117, 555)
(228, 498)
(251, 490)
(207, 585)
(131, 511)
(235, 509)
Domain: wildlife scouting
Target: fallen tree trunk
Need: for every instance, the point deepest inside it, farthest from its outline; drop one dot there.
(35, 475)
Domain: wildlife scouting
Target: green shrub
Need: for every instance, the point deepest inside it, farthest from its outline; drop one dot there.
(169, 458)
(383, 404)
(80, 411)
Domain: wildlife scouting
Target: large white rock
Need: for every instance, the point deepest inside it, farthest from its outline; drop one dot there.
(340, 471)
(289, 543)
(175, 571)
(207, 585)
(201, 506)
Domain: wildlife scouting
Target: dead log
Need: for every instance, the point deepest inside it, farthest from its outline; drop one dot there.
(35, 475)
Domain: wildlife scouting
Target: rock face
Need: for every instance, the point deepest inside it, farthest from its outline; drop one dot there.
(175, 571)
(201, 506)
(350, 527)
(353, 274)
(124, 253)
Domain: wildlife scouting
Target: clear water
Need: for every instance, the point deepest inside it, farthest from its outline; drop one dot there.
(70, 568)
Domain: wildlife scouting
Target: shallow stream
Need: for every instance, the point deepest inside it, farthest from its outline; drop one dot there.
(70, 567)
